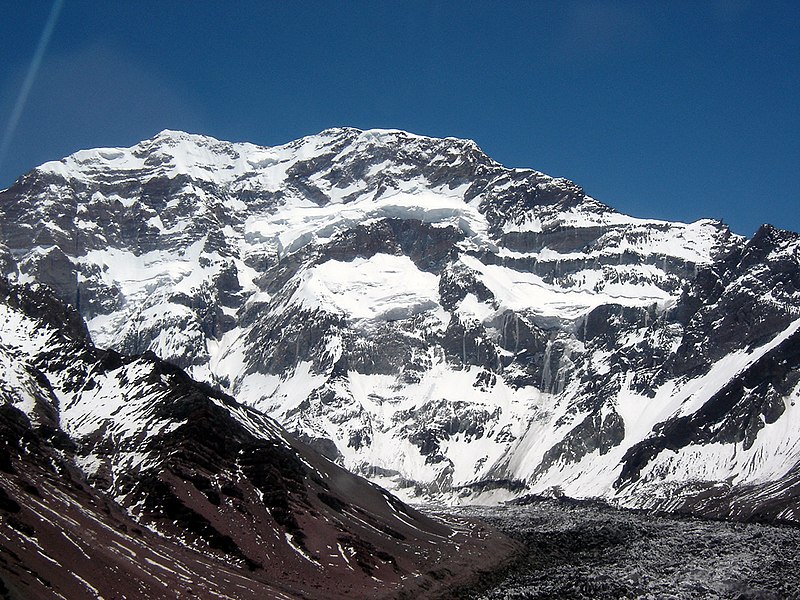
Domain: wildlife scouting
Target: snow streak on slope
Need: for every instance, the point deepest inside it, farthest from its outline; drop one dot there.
(519, 291)
(302, 222)
(773, 455)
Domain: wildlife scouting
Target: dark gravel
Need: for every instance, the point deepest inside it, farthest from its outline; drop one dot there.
(587, 550)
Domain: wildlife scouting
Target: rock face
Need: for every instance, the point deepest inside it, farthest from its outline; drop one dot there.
(136, 481)
(431, 319)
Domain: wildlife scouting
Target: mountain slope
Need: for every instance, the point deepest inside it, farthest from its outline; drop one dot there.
(432, 319)
(130, 478)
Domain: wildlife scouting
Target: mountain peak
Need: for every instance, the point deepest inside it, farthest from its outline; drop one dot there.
(418, 311)
(174, 136)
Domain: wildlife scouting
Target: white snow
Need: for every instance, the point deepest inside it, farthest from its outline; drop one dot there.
(383, 287)
(521, 291)
(159, 290)
(300, 222)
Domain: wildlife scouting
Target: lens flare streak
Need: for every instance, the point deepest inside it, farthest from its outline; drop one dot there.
(30, 77)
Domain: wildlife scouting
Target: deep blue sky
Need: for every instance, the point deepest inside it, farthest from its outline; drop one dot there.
(675, 110)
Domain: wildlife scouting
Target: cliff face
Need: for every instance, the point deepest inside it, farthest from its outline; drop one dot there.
(428, 318)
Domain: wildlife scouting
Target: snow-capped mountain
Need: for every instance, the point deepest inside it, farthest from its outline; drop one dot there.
(122, 477)
(434, 320)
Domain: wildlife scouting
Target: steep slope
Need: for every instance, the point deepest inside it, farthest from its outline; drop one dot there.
(429, 318)
(695, 410)
(122, 476)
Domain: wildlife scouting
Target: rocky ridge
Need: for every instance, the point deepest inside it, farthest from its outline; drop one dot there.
(120, 476)
(421, 314)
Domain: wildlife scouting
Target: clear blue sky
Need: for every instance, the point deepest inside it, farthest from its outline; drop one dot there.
(675, 110)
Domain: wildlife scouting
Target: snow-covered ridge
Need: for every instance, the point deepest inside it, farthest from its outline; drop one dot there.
(170, 153)
(423, 314)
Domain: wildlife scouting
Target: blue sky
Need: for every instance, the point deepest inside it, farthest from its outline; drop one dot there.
(675, 110)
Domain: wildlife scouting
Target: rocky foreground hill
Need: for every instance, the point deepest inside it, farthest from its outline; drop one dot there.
(120, 477)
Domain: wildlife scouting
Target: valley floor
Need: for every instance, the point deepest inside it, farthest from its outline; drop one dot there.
(584, 550)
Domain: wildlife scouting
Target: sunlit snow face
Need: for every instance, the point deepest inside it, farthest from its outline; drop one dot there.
(493, 407)
(301, 222)
(381, 288)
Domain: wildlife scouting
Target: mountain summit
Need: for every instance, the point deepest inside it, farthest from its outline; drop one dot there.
(444, 325)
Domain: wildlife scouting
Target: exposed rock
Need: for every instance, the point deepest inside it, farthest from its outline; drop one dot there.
(427, 316)
(140, 482)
